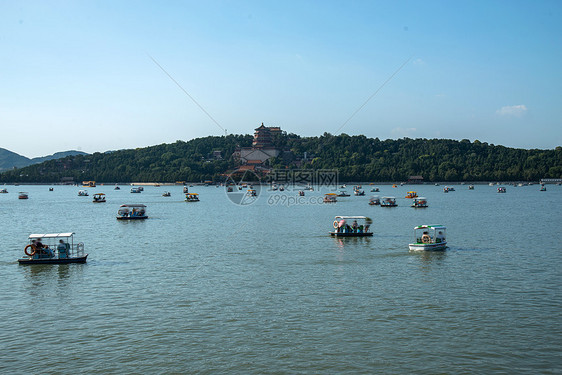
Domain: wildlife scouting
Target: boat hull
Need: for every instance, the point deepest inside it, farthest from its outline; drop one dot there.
(338, 234)
(53, 260)
(428, 246)
(133, 218)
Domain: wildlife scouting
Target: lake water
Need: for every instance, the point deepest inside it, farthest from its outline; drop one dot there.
(213, 286)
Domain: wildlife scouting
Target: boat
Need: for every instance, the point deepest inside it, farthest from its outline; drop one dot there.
(132, 212)
(136, 189)
(358, 191)
(54, 248)
(88, 183)
(342, 193)
(301, 193)
(375, 190)
(99, 198)
(166, 194)
(429, 237)
(359, 227)
(192, 197)
(330, 198)
(374, 201)
(82, 193)
(394, 186)
(470, 187)
(501, 189)
(388, 202)
(281, 188)
(543, 188)
(116, 188)
(185, 190)
(251, 193)
(3, 191)
(229, 189)
(51, 189)
(419, 202)
(23, 195)
(411, 194)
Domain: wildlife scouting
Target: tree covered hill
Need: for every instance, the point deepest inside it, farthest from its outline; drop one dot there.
(9, 159)
(357, 158)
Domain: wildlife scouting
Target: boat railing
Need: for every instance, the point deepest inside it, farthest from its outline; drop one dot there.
(49, 252)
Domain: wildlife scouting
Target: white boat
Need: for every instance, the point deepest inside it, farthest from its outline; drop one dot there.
(136, 189)
(388, 202)
(3, 191)
(501, 189)
(419, 202)
(99, 198)
(82, 193)
(374, 201)
(53, 248)
(192, 197)
(132, 212)
(429, 237)
(358, 228)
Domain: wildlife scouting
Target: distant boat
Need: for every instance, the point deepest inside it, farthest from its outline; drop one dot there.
(23, 195)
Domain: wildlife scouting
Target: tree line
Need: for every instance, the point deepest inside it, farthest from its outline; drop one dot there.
(356, 158)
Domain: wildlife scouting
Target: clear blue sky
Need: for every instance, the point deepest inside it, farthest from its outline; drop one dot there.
(78, 74)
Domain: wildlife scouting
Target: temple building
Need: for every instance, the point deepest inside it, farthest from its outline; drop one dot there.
(262, 147)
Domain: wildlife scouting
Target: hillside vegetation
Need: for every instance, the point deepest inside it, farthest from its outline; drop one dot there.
(357, 158)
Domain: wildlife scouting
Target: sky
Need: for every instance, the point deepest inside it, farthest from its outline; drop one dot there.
(107, 75)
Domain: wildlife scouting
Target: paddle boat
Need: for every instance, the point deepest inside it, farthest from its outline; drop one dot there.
(374, 201)
(192, 197)
(543, 188)
(136, 189)
(23, 195)
(470, 187)
(388, 202)
(51, 189)
(229, 189)
(330, 198)
(99, 198)
(358, 192)
(3, 191)
(185, 190)
(375, 190)
(342, 193)
(429, 237)
(411, 194)
(116, 188)
(53, 248)
(447, 189)
(166, 194)
(82, 193)
(501, 189)
(301, 193)
(358, 228)
(132, 212)
(251, 193)
(419, 202)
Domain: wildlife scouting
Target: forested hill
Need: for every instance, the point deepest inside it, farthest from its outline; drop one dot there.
(9, 159)
(357, 158)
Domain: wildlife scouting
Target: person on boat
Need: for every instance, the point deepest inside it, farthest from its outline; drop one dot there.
(354, 226)
(440, 237)
(62, 249)
(426, 238)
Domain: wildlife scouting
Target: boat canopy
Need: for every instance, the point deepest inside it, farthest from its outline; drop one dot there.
(432, 226)
(99, 194)
(133, 205)
(51, 235)
(420, 199)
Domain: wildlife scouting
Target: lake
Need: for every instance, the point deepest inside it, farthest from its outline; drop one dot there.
(259, 288)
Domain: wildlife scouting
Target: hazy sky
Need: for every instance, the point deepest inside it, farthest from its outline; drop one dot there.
(79, 74)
